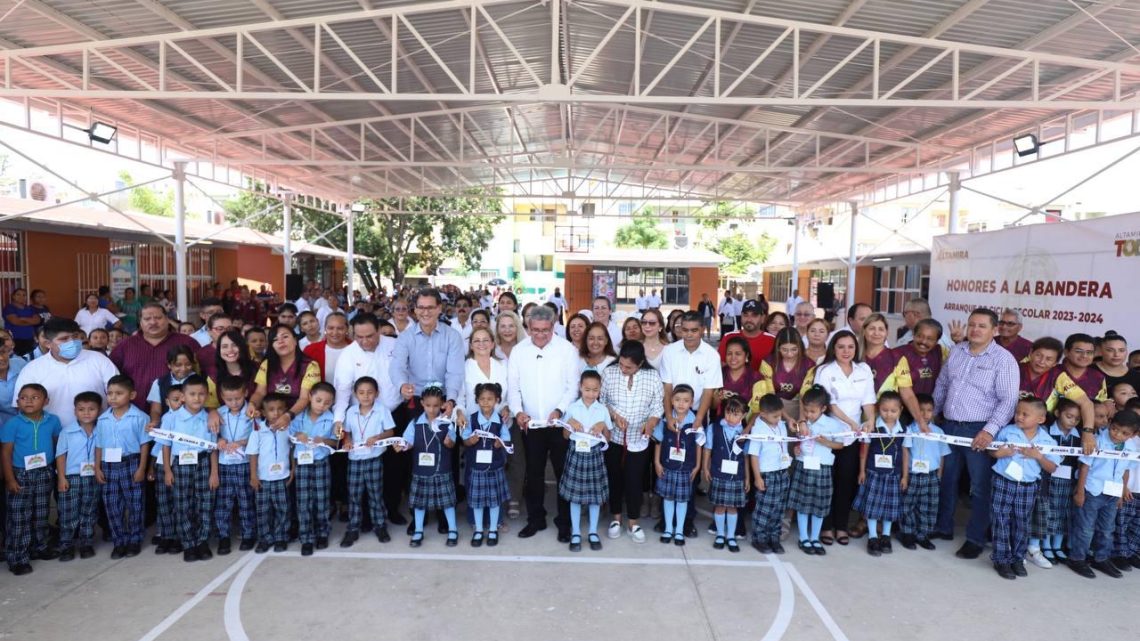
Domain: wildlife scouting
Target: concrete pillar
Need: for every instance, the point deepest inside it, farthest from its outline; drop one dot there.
(180, 279)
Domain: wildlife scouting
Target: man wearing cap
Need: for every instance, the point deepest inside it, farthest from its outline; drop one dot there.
(751, 320)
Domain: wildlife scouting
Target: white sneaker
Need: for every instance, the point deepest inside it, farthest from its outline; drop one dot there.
(1036, 558)
(615, 530)
(637, 534)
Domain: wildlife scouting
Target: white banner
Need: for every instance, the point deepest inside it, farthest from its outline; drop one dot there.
(1063, 277)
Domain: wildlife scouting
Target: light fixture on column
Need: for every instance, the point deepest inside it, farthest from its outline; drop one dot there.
(99, 132)
(1026, 145)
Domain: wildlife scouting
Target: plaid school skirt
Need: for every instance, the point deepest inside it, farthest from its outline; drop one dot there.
(675, 486)
(880, 497)
(487, 488)
(431, 491)
(811, 490)
(584, 479)
(727, 492)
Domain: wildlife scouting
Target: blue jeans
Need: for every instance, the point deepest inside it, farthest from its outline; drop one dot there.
(1093, 524)
(978, 465)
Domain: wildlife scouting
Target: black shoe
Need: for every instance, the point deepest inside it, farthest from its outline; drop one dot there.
(67, 554)
(908, 541)
(1108, 568)
(817, 546)
(262, 547)
(22, 569)
(174, 547)
(969, 550)
(925, 544)
(190, 555)
(381, 535)
(733, 546)
(477, 539)
(762, 547)
(718, 543)
(679, 540)
(941, 536)
(306, 549)
(576, 543)
(885, 545)
(873, 547)
(247, 545)
(690, 531)
(530, 530)
(117, 552)
(349, 539)
(452, 538)
(160, 547)
(492, 539)
(595, 542)
(666, 538)
(806, 548)
(1082, 568)
(1018, 568)
(323, 541)
(411, 528)
(1005, 572)
(224, 547)
(1120, 562)
(1134, 560)
(563, 537)
(395, 518)
(280, 546)
(154, 540)
(417, 539)
(777, 547)
(204, 553)
(86, 552)
(46, 554)
(134, 549)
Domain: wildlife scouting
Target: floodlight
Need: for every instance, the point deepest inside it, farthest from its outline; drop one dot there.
(1026, 145)
(101, 132)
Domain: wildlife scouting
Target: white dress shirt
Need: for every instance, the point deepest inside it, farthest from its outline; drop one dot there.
(99, 319)
(849, 393)
(464, 330)
(353, 363)
(653, 301)
(700, 369)
(88, 372)
(541, 380)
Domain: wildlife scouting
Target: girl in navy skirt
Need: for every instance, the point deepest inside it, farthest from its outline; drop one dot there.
(1054, 506)
(486, 461)
(584, 480)
(431, 439)
(810, 496)
(677, 463)
(723, 467)
(884, 466)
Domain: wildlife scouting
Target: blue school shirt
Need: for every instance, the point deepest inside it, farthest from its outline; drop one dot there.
(825, 426)
(155, 393)
(925, 450)
(321, 428)
(362, 427)
(8, 389)
(1030, 469)
(773, 457)
(189, 424)
(480, 422)
(892, 447)
(30, 437)
(1102, 470)
(588, 417)
(127, 433)
(659, 431)
(236, 426)
(77, 446)
(272, 450)
(1072, 439)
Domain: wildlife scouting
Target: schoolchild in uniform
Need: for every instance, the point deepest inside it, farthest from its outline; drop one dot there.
(770, 464)
(1126, 539)
(270, 474)
(883, 474)
(677, 462)
(722, 468)
(27, 448)
(78, 493)
(313, 433)
(166, 530)
(810, 495)
(431, 438)
(1016, 473)
(122, 445)
(191, 470)
(1052, 512)
(181, 363)
(233, 467)
(920, 498)
(486, 461)
(584, 480)
(365, 424)
(1102, 484)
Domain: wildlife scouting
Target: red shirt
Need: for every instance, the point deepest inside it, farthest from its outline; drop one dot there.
(145, 363)
(316, 352)
(1020, 348)
(761, 345)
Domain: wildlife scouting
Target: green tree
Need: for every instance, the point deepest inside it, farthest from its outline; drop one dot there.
(641, 232)
(149, 200)
(743, 252)
(712, 215)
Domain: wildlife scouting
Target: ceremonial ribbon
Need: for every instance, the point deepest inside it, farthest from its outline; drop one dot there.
(485, 434)
(185, 439)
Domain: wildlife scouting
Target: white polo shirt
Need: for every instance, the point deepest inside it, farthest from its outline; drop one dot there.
(88, 372)
(699, 369)
(850, 393)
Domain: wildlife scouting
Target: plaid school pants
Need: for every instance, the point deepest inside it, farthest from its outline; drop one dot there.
(193, 500)
(234, 487)
(123, 499)
(273, 512)
(313, 484)
(28, 514)
(78, 509)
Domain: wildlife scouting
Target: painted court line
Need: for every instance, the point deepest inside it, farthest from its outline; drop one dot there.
(787, 605)
(816, 604)
(232, 612)
(173, 618)
(475, 558)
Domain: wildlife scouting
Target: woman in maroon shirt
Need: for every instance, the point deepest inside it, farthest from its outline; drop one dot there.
(285, 370)
(788, 369)
(881, 359)
(738, 376)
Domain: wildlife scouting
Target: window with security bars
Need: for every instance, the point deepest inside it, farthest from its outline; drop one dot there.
(895, 285)
(12, 272)
(672, 284)
(155, 267)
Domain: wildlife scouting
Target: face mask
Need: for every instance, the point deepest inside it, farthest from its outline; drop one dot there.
(69, 350)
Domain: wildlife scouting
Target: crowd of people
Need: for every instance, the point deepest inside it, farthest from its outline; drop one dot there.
(270, 420)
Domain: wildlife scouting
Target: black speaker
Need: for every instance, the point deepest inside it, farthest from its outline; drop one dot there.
(825, 295)
(294, 286)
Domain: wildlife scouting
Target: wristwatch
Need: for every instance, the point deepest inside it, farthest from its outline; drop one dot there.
(1088, 430)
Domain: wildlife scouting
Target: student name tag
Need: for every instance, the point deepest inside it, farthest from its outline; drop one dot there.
(113, 455)
(188, 458)
(304, 458)
(1114, 488)
(884, 461)
(1063, 472)
(427, 459)
(35, 461)
(1014, 471)
(483, 457)
(677, 454)
(729, 467)
(785, 461)
(811, 463)
(276, 468)
(86, 469)
(920, 466)
(581, 446)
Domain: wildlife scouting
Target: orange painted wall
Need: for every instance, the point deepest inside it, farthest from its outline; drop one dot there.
(257, 265)
(579, 289)
(703, 280)
(54, 268)
(864, 285)
(225, 266)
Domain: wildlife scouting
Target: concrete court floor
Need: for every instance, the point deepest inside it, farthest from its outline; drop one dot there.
(536, 589)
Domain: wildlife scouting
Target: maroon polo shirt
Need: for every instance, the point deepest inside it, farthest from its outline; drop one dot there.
(207, 361)
(144, 363)
(1020, 347)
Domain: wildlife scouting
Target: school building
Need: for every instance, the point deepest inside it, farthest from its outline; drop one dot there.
(885, 280)
(680, 277)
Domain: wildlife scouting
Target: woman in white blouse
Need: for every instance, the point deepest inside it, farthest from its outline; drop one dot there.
(597, 349)
(653, 326)
(851, 385)
(93, 317)
(509, 330)
(482, 366)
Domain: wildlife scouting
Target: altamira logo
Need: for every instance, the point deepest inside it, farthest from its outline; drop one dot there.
(1127, 244)
(953, 254)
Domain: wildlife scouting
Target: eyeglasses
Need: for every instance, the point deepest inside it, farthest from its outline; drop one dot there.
(1005, 323)
(1083, 352)
(421, 308)
(650, 322)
